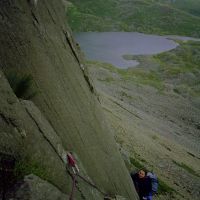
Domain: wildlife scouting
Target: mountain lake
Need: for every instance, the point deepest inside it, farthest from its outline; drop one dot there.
(109, 47)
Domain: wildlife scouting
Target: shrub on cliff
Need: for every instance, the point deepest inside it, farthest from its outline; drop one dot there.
(21, 85)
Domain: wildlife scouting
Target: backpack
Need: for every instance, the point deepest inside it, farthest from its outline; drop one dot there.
(154, 182)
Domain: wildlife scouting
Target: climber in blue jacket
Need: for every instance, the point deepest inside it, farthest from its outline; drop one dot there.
(142, 184)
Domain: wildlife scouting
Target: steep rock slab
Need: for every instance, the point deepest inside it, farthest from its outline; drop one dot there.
(82, 189)
(34, 188)
(23, 148)
(30, 145)
(36, 41)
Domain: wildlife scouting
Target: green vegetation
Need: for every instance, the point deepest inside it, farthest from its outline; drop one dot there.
(91, 15)
(185, 58)
(164, 188)
(190, 6)
(187, 168)
(21, 85)
(141, 76)
(23, 168)
(136, 163)
(160, 17)
(182, 66)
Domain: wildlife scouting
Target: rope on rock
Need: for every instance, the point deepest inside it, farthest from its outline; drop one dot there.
(71, 197)
(91, 184)
(72, 164)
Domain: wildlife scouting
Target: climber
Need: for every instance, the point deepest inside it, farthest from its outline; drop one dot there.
(72, 163)
(142, 184)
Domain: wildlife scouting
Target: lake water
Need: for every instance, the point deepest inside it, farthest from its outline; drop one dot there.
(109, 47)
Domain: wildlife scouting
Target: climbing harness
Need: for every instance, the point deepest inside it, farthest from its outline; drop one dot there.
(72, 163)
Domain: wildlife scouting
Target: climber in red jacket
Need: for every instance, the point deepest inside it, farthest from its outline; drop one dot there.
(72, 162)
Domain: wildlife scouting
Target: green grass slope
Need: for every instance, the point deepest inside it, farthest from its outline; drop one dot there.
(190, 6)
(92, 15)
(154, 109)
(158, 17)
(179, 67)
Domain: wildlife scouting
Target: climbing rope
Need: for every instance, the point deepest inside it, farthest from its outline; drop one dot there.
(91, 184)
(73, 187)
(72, 164)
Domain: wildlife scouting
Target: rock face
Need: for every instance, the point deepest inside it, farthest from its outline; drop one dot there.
(65, 115)
(34, 188)
(30, 143)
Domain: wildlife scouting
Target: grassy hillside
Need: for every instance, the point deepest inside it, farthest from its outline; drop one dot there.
(190, 6)
(92, 15)
(179, 68)
(154, 110)
(146, 16)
